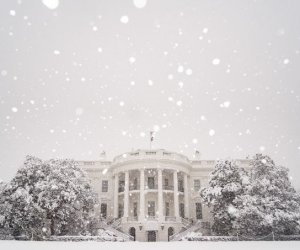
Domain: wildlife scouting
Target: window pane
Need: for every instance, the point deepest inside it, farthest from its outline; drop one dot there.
(197, 185)
(104, 186)
(198, 211)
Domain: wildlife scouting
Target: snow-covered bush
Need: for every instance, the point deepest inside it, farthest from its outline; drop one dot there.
(227, 181)
(48, 198)
(270, 203)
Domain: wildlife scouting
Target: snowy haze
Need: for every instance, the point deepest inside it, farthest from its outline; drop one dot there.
(80, 77)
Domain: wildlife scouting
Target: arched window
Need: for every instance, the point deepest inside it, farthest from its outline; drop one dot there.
(170, 232)
(132, 232)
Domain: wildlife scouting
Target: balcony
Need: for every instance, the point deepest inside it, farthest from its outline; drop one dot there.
(134, 187)
(170, 218)
(168, 187)
(150, 187)
(151, 217)
(134, 218)
(151, 154)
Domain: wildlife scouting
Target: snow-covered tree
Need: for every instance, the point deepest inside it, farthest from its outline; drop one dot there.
(226, 183)
(48, 198)
(270, 203)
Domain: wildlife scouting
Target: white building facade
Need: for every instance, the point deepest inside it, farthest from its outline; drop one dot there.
(152, 194)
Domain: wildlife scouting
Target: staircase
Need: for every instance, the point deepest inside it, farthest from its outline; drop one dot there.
(187, 229)
(114, 227)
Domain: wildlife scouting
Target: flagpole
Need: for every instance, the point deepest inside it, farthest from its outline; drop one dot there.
(151, 139)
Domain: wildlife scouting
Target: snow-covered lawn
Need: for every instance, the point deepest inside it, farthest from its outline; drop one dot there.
(186, 245)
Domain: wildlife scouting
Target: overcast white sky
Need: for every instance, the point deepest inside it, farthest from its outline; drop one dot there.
(80, 77)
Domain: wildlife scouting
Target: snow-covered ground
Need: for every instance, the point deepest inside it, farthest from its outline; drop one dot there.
(267, 245)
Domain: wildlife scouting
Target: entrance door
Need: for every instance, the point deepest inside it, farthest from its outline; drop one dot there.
(104, 210)
(198, 211)
(151, 236)
(132, 232)
(181, 210)
(170, 232)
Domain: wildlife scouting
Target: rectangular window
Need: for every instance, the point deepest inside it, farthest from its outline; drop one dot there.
(167, 207)
(197, 185)
(104, 186)
(180, 185)
(151, 182)
(135, 208)
(104, 210)
(121, 186)
(198, 211)
(166, 182)
(151, 208)
(181, 210)
(120, 211)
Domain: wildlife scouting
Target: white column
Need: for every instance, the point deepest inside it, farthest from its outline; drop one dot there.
(142, 195)
(176, 203)
(186, 197)
(126, 194)
(116, 194)
(160, 195)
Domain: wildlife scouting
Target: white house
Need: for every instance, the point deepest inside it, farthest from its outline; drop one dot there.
(152, 194)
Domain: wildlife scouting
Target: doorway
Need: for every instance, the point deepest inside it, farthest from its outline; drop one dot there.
(151, 236)
(132, 232)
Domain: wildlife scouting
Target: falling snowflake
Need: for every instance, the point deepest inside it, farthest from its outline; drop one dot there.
(195, 141)
(179, 103)
(140, 3)
(79, 111)
(51, 4)
(124, 19)
(132, 59)
(142, 134)
(216, 61)
(262, 148)
(188, 72)
(205, 30)
(211, 132)
(56, 52)
(99, 50)
(122, 103)
(3, 72)
(14, 109)
(12, 12)
(180, 69)
(150, 83)
(225, 104)
(203, 118)
(286, 61)
(156, 128)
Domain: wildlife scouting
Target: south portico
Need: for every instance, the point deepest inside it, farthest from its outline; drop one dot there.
(152, 194)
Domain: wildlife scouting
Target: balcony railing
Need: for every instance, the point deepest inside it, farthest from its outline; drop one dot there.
(134, 187)
(170, 218)
(147, 187)
(151, 217)
(150, 187)
(168, 187)
(134, 218)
